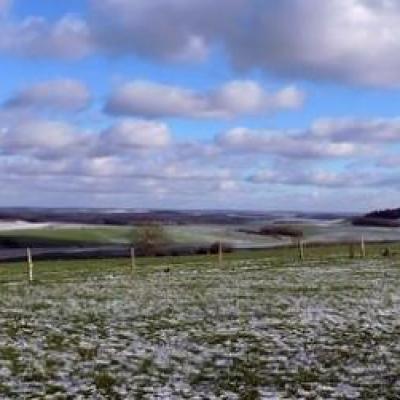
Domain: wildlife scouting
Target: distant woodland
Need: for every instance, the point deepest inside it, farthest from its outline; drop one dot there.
(385, 214)
(389, 218)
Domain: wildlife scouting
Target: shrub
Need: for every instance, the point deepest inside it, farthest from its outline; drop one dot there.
(226, 248)
(281, 231)
(150, 239)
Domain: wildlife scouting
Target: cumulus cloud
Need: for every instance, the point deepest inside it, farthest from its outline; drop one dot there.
(42, 138)
(325, 178)
(104, 166)
(67, 38)
(142, 155)
(350, 41)
(51, 139)
(325, 138)
(169, 30)
(299, 177)
(62, 94)
(26, 135)
(247, 97)
(131, 134)
(28, 166)
(284, 144)
(357, 130)
(154, 100)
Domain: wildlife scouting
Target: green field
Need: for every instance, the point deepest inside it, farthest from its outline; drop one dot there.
(178, 234)
(203, 235)
(89, 234)
(48, 271)
(262, 325)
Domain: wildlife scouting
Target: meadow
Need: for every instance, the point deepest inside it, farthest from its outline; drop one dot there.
(315, 231)
(262, 325)
(188, 234)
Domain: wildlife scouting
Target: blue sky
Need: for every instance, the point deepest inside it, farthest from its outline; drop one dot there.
(165, 103)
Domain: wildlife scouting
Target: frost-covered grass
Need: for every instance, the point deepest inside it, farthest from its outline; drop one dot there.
(254, 329)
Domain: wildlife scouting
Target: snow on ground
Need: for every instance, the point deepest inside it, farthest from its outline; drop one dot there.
(22, 225)
(254, 330)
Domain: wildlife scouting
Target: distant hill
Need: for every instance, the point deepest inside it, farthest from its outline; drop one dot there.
(142, 216)
(385, 214)
(389, 218)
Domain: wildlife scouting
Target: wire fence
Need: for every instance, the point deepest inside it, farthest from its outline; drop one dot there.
(29, 267)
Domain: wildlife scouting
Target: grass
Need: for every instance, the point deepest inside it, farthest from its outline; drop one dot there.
(180, 234)
(105, 383)
(62, 270)
(95, 234)
(200, 234)
(262, 325)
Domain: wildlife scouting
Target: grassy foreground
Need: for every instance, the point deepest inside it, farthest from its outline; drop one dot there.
(76, 269)
(263, 326)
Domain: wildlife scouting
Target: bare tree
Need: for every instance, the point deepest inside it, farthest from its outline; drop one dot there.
(150, 238)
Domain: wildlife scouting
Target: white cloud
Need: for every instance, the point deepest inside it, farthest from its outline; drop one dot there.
(136, 134)
(326, 138)
(248, 97)
(227, 185)
(169, 30)
(67, 38)
(149, 99)
(352, 41)
(41, 137)
(28, 166)
(154, 100)
(318, 178)
(357, 130)
(105, 166)
(283, 144)
(139, 156)
(349, 41)
(61, 94)
(129, 141)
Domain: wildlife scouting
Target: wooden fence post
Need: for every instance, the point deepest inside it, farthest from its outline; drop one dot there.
(351, 250)
(363, 252)
(133, 262)
(301, 249)
(30, 265)
(220, 255)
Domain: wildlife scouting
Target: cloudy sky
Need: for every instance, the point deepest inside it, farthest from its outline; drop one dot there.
(242, 104)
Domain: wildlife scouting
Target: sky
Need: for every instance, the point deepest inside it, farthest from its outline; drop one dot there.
(200, 104)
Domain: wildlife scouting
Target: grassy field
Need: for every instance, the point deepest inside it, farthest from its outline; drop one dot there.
(179, 234)
(261, 326)
(200, 235)
(48, 271)
(89, 234)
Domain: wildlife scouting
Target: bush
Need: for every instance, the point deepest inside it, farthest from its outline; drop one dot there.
(226, 248)
(151, 239)
(281, 231)
(378, 222)
(202, 251)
